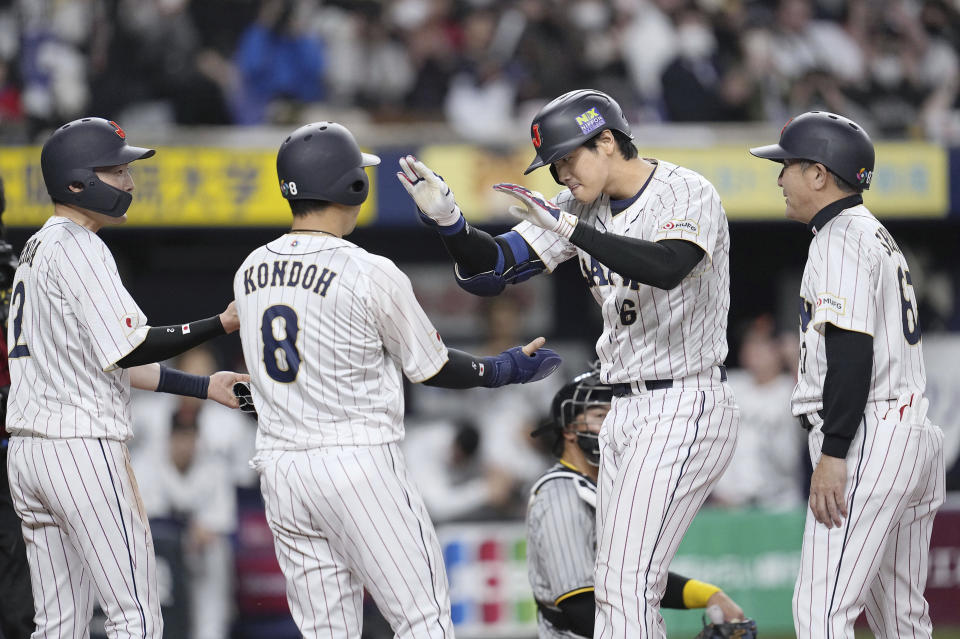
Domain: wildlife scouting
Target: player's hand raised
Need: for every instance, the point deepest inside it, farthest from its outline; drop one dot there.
(221, 387)
(230, 319)
(433, 197)
(538, 210)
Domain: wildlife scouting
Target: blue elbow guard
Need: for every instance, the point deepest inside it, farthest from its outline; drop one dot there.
(485, 284)
(492, 282)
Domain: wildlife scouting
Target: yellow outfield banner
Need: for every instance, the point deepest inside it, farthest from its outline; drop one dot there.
(911, 179)
(179, 186)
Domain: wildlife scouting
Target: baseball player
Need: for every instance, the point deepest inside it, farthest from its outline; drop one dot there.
(878, 476)
(328, 330)
(561, 529)
(652, 242)
(77, 343)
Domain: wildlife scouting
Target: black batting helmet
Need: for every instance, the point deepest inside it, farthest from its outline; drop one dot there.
(569, 121)
(72, 152)
(585, 391)
(838, 143)
(321, 161)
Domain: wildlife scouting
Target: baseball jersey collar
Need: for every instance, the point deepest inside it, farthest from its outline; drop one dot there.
(832, 210)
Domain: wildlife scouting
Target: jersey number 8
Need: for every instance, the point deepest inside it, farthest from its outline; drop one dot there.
(279, 329)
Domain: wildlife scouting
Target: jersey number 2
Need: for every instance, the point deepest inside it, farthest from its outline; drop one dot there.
(279, 329)
(908, 305)
(19, 348)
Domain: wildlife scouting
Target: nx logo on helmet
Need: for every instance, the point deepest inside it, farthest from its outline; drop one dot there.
(537, 141)
(590, 120)
(117, 129)
(864, 176)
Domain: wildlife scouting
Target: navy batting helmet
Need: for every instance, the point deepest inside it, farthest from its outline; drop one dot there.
(71, 154)
(838, 143)
(573, 399)
(321, 161)
(570, 120)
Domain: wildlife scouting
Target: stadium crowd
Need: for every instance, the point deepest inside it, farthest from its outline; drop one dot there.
(481, 65)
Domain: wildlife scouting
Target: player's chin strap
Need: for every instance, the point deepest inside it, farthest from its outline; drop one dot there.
(586, 489)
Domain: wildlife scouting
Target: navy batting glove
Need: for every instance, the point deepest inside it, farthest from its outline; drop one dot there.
(513, 366)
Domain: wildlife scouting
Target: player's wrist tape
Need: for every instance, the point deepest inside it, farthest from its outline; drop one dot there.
(180, 383)
(697, 593)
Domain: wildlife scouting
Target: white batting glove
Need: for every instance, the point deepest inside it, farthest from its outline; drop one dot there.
(433, 197)
(538, 210)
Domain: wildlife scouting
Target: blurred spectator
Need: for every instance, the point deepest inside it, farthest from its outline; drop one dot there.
(696, 88)
(482, 64)
(193, 489)
(455, 483)
(767, 466)
(278, 60)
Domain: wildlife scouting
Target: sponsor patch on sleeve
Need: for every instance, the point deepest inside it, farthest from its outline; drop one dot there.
(831, 302)
(684, 226)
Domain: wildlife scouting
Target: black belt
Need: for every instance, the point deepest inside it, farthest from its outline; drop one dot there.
(626, 388)
(805, 422)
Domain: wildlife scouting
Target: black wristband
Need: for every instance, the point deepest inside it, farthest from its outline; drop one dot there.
(180, 383)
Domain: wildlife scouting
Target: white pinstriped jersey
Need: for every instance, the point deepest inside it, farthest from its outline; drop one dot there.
(327, 329)
(650, 333)
(857, 279)
(71, 320)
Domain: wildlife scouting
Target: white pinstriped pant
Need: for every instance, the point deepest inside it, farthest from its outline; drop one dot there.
(877, 560)
(87, 535)
(347, 517)
(661, 453)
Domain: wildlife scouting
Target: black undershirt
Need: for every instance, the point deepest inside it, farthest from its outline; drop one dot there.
(164, 342)
(462, 370)
(845, 387)
(661, 264)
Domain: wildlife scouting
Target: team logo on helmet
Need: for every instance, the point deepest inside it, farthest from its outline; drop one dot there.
(118, 130)
(590, 120)
(537, 141)
(864, 176)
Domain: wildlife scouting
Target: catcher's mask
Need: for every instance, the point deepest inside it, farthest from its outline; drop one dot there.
(573, 400)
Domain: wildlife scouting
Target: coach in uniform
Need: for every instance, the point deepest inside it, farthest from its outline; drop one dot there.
(878, 476)
(652, 241)
(561, 525)
(328, 332)
(78, 342)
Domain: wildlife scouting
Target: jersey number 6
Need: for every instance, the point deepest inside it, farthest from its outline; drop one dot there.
(279, 329)
(908, 304)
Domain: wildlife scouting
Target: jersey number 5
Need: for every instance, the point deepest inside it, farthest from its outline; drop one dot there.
(19, 347)
(279, 329)
(908, 305)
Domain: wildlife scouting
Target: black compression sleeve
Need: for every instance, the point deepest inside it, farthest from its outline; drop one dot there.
(673, 595)
(578, 612)
(475, 251)
(462, 370)
(845, 387)
(164, 342)
(661, 264)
